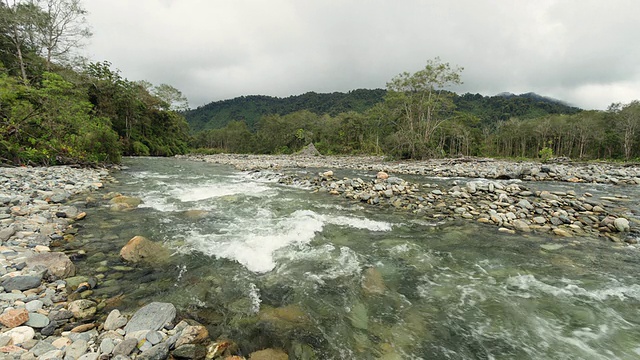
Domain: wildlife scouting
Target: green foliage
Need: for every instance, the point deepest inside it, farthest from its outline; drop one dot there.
(546, 153)
(251, 109)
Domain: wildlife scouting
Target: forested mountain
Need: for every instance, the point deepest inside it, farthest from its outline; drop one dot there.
(416, 118)
(251, 108)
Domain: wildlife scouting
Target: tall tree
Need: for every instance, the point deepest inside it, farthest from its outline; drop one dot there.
(18, 22)
(62, 29)
(421, 105)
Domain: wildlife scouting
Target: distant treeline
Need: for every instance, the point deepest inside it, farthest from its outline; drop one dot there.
(251, 109)
(416, 117)
(54, 110)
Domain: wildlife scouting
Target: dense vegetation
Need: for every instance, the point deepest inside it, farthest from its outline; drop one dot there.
(55, 111)
(417, 117)
(250, 109)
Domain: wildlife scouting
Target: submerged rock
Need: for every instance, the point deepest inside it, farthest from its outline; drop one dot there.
(141, 249)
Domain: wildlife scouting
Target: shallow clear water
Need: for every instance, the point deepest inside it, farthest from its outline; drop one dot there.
(274, 266)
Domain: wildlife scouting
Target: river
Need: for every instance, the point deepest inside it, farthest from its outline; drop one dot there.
(321, 277)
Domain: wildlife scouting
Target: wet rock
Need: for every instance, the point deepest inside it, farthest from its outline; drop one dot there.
(269, 354)
(141, 249)
(58, 264)
(372, 282)
(151, 317)
(82, 309)
(128, 201)
(190, 351)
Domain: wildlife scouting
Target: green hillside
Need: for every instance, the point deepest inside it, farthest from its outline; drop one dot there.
(250, 109)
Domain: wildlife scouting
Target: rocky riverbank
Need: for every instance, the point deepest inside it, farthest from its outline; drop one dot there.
(566, 171)
(512, 207)
(47, 311)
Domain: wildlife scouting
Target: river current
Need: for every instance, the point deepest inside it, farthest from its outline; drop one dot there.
(321, 277)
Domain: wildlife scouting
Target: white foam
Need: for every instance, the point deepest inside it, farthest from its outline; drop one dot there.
(254, 296)
(529, 283)
(254, 242)
(208, 191)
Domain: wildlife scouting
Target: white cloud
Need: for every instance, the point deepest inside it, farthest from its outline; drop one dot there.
(580, 51)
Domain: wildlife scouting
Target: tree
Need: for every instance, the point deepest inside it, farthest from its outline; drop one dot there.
(62, 28)
(18, 21)
(629, 123)
(421, 106)
(172, 97)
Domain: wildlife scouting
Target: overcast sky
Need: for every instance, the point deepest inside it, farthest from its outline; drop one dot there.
(584, 52)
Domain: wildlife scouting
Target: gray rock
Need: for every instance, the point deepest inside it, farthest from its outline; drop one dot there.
(41, 348)
(539, 220)
(34, 305)
(50, 355)
(154, 337)
(56, 315)
(107, 346)
(77, 349)
(21, 283)
(521, 226)
(49, 329)
(115, 320)
(6, 233)
(11, 296)
(157, 352)
(37, 321)
(60, 197)
(125, 347)
(89, 356)
(151, 317)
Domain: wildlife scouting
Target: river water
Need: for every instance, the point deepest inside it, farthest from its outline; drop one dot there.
(321, 277)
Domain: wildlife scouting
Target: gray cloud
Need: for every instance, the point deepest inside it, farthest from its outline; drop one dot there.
(579, 51)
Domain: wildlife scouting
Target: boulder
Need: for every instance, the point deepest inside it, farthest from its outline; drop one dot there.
(382, 175)
(151, 317)
(141, 249)
(58, 264)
